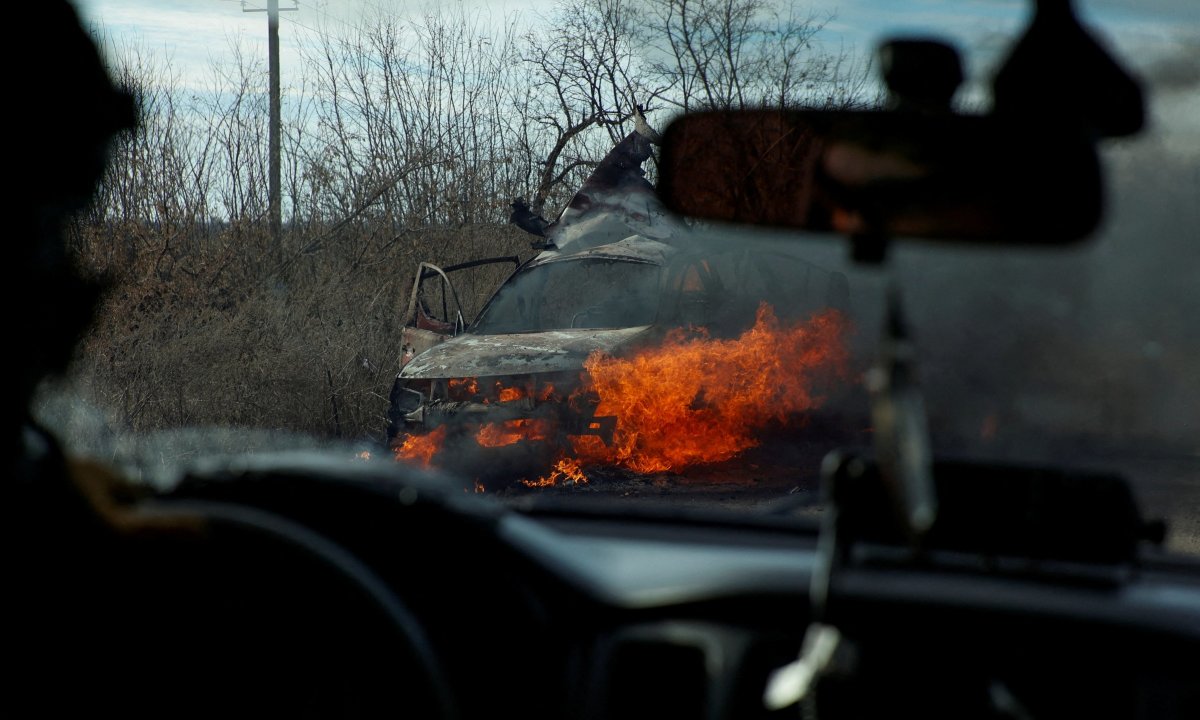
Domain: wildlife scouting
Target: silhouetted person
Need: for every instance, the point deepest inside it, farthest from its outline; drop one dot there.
(115, 606)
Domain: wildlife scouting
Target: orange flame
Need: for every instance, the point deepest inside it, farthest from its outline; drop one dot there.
(566, 471)
(702, 400)
(509, 432)
(590, 449)
(420, 449)
(364, 455)
(512, 393)
(692, 400)
(462, 387)
(544, 481)
(569, 469)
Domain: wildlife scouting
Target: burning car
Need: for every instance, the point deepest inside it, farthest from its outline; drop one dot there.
(617, 277)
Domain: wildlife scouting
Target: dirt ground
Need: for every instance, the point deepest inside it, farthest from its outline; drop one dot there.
(764, 478)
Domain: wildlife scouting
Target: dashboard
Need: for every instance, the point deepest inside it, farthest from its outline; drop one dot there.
(603, 613)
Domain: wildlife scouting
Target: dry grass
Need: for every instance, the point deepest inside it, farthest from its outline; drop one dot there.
(218, 338)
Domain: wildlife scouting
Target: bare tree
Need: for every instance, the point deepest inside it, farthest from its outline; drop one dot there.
(596, 59)
(586, 74)
(726, 54)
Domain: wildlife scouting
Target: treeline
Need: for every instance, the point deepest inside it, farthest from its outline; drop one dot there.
(403, 141)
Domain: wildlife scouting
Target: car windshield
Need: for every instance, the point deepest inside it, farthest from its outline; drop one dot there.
(260, 255)
(585, 293)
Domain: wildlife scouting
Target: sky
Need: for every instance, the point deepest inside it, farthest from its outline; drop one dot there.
(1155, 37)
(194, 29)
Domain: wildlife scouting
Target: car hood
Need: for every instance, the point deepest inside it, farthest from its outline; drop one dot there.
(517, 353)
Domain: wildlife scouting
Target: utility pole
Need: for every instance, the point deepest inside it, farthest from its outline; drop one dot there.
(275, 207)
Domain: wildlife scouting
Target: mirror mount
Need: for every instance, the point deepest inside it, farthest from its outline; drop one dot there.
(868, 248)
(1057, 73)
(921, 75)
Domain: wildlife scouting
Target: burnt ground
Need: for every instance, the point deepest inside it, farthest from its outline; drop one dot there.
(784, 471)
(761, 477)
(784, 475)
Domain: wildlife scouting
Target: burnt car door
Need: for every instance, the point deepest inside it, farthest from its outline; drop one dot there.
(436, 309)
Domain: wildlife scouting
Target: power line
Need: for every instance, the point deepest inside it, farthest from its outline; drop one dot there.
(274, 130)
(325, 34)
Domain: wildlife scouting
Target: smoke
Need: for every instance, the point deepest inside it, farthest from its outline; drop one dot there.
(1063, 355)
(1039, 352)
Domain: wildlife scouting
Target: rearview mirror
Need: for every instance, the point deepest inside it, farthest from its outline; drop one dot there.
(880, 174)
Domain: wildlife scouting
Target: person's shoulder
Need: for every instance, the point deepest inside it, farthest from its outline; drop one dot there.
(120, 503)
(82, 495)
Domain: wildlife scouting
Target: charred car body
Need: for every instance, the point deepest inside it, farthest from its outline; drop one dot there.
(616, 274)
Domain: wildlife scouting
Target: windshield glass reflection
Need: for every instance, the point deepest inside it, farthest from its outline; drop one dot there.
(574, 294)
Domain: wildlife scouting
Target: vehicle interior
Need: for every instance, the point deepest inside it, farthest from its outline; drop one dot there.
(904, 580)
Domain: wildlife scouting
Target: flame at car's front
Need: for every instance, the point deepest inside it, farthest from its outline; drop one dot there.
(692, 399)
(421, 449)
(566, 471)
(460, 386)
(696, 399)
(509, 432)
